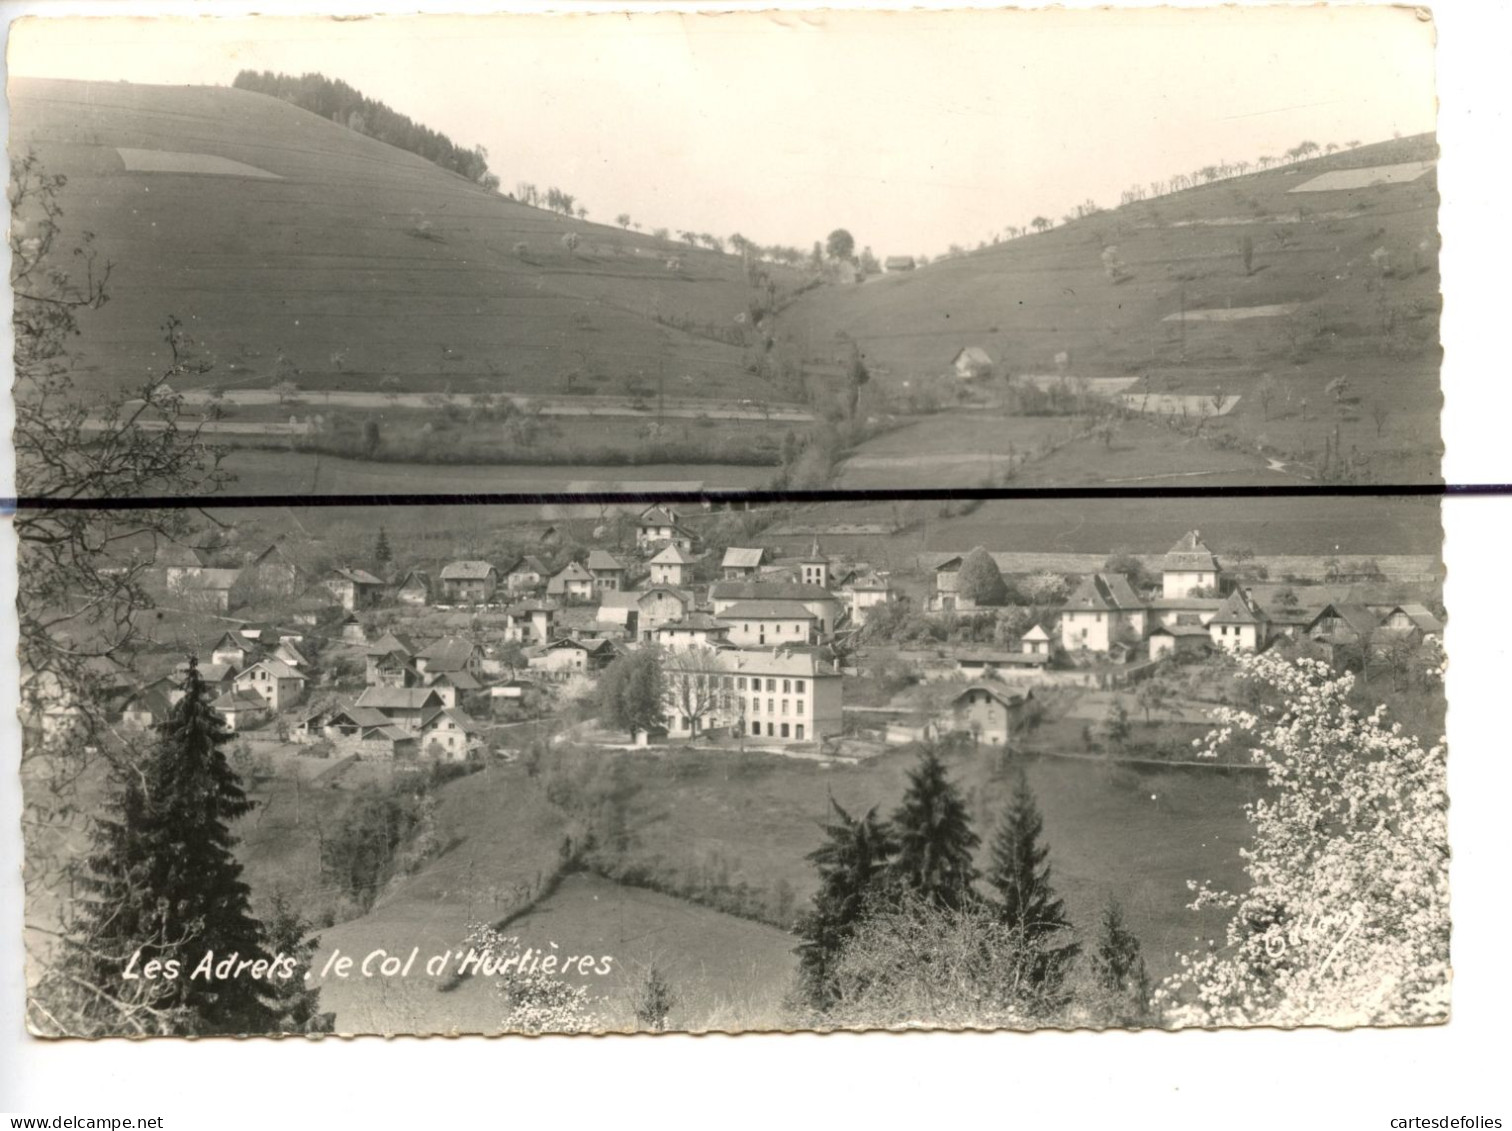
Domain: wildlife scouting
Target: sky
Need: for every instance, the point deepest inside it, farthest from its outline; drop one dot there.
(913, 130)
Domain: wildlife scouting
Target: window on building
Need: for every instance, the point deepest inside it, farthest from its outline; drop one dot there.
(771, 685)
(798, 687)
(798, 732)
(784, 730)
(755, 727)
(787, 685)
(741, 683)
(770, 730)
(771, 706)
(800, 707)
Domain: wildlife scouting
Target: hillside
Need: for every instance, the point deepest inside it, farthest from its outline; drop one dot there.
(1171, 311)
(292, 247)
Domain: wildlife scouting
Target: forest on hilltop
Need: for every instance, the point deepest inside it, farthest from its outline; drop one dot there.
(343, 104)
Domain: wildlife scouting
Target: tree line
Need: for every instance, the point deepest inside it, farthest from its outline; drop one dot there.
(343, 104)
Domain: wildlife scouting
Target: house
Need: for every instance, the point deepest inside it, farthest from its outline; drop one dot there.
(218, 679)
(240, 710)
(337, 722)
(454, 685)
(642, 613)
(233, 649)
(289, 651)
(572, 582)
(898, 263)
(672, 566)
(511, 690)
(352, 630)
(148, 706)
(526, 575)
(356, 589)
(468, 582)
(947, 586)
(1102, 611)
(784, 697)
(657, 527)
(449, 734)
(529, 621)
(280, 685)
(1177, 639)
(178, 562)
(864, 592)
(758, 624)
(984, 663)
(403, 706)
(828, 608)
(608, 571)
(972, 364)
(697, 630)
(269, 573)
(1189, 565)
(449, 654)
(1184, 610)
(814, 567)
(1341, 625)
(1239, 626)
(384, 743)
(566, 657)
(392, 668)
(414, 588)
(740, 562)
(313, 605)
(1035, 642)
(1412, 620)
(208, 590)
(988, 714)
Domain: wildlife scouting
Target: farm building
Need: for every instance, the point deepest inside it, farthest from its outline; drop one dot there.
(759, 624)
(697, 630)
(987, 714)
(275, 681)
(1103, 610)
(468, 582)
(414, 588)
(526, 575)
(241, 709)
(607, 570)
(449, 733)
(1178, 639)
(657, 527)
(449, 654)
(863, 592)
(740, 562)
(355, 589)
(671, 566)
(827, 607)
(573, 582)
(972, 364)
(404, 706)
(1240, 626)
(147, 707)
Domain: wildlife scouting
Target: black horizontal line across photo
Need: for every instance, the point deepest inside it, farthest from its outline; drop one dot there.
(928, 494)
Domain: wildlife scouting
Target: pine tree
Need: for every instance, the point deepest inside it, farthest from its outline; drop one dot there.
(381, 552)
(296, 1002)
(654, 1001)
(935, 838)
(852, 867)
(1020, 871)
(1119, 968)
(161, 883)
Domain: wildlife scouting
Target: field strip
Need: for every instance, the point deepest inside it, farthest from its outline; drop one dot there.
(681, 408)
(1234, 313)
(937, 459)
(203, 164)
(1104, 386)
(1345, 179)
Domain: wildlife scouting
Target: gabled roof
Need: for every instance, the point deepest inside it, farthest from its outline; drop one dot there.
(450, 653)
(152, 698)
(1009, 699)
(466, 571)
(590, 646)
(461, 680)
(640, 595)
(536, 605)
(528, 564)
(1237, 609)
(657, 516)
(237, 640)
(184, 557)
(1036, 633)
(357, 716)
(215, 673)
(604, 560)
(950, 564)
(1103, 591)
(416, 576)
(391, 642)
(399, 698)
(974, 355)
(767, 610)
(388, 732)
(671, 555)
(357, 576)
(1179, 629)
(769, 591)
(240, 701)
(572, 571)
(465, 722)
(1420, 617)
(276, 668)
(738, 557)
(868, 583)
(1189, 555)
(1359, 619)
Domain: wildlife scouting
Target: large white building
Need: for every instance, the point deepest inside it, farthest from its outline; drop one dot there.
(1189, 565)
(1103, 609)
(773, 696)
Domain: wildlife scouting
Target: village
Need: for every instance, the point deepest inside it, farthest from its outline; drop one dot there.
(775, 647)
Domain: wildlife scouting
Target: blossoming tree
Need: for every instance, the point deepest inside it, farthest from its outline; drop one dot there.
(1346, 921)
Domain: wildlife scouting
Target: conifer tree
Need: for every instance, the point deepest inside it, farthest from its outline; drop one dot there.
(381, 552)
(161, 883)
(1020, 871)
(296, 1002)
(935, 838)
(1119, 968)
(852, 867)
